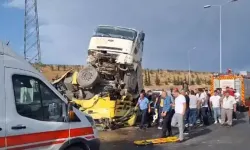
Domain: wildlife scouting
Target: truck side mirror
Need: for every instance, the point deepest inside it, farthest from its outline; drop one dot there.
(142, 36)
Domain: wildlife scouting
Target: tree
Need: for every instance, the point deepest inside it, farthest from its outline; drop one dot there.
(149, 80)
(146, 78)
(157, 79)
(174, 81)
(58, 67)
(52, 67)
(198, 81)
(208, 82)
(178, 81)
(169, 80)
(192, 82)
(185, 78)
(166, 82)
(64, 67)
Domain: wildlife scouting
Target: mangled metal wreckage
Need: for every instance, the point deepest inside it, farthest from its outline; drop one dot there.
(107, 87)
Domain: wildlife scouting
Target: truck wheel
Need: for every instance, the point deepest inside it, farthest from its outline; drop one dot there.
(130, 80)
(87, 77)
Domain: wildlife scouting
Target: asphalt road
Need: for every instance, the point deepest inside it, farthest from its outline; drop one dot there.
(205, 138)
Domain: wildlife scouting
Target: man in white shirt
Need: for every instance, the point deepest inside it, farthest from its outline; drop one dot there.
(193, 105)
(198, 94)
(204, 107)
(237, 96)
(215, 103)
(180, 109)
(228, 104)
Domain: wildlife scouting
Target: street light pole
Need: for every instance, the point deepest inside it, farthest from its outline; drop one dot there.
(220, 41)
(220, 6)
(189, 65)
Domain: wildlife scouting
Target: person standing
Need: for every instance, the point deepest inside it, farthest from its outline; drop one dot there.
(215, 103)
(185, 85)
(180, 109)
(166, 114)
(159, 104)
(184, 93)
(204, 107)
(198, 94)
(238, 100)
(228, 104)
(144, 106)
(209, 104)
(170, 93)
(193, 105)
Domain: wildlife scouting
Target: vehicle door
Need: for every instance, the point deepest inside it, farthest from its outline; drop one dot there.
(35, 116)
(2, 105)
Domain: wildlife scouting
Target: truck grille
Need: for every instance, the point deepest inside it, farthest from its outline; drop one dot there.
(112, 48)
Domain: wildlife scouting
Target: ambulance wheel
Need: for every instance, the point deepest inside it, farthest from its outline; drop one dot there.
(76, 148)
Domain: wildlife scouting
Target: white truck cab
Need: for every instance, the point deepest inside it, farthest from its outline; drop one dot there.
(116, 53)
(126, 43)
(34, 115)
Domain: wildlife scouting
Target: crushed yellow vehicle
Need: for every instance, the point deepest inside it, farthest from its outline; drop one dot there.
(108, 112)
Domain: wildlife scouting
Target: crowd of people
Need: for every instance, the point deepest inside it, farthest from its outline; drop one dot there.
(187, 109)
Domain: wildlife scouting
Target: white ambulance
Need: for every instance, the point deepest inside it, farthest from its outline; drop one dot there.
(34, 115)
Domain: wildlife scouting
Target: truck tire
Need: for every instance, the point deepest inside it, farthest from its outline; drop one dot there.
(87, 77)
(130, 80)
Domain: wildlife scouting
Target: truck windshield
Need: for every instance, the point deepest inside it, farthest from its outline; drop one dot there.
(115, 32)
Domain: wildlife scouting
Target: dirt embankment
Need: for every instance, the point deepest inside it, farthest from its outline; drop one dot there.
(153, 79)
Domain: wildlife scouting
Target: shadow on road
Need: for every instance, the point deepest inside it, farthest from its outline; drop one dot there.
(127, 145)
(123, 139)
(198, 132)
(239, 122)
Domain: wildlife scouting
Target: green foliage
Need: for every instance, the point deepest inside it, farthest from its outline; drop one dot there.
(157, 79)
(146, 78)
(192, 82)
(64, 67)
(208, 82)
(149, 79)
(177, 81)
(169, 80)
(198, 81)
(166, 82)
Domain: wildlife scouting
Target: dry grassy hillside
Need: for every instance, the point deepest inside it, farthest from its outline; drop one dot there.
(152, 78)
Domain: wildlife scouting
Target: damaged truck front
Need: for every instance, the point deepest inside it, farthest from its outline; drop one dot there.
(107, 87)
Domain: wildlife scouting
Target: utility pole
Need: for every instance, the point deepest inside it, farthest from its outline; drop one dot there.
(220, 15)
(189, 66)
(32, 50)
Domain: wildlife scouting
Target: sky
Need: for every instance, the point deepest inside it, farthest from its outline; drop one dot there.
(172, 28)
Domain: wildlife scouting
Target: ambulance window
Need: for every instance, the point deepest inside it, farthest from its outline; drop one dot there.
(52, 104)
(35, 100)
(27, 97)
